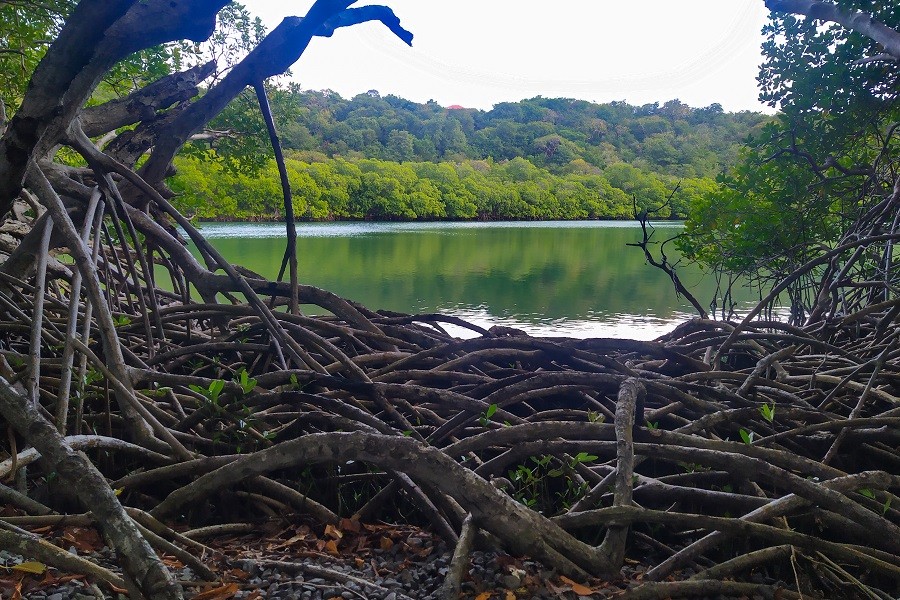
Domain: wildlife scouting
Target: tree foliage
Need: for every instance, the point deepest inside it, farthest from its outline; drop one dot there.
(373, 189)
(28, 28)
(827, 158)
(534, 159)
(559, 134)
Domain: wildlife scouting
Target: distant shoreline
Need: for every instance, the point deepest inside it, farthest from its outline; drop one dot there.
(280, 219)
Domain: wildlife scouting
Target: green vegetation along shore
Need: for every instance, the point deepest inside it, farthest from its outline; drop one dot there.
(390, 159)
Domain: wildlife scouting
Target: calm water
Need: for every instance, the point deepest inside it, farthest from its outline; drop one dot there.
(561, 278)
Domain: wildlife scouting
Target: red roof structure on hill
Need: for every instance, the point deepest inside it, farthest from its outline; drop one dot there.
(455, 107)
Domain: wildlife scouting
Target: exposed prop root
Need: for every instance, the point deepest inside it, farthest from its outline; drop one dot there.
(705, 464)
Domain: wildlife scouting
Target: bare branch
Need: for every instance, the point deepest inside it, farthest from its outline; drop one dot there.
(145, 102)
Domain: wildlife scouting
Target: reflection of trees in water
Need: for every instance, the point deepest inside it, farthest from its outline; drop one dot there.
(553, 272)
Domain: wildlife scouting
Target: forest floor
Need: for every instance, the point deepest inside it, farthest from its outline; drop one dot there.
(292, 557)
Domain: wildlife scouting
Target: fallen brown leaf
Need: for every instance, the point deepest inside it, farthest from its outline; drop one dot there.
(350, 525)
(219, 593)
(333, 532)
(17, 591)
(172, 562)
(85, 539)
(581, 590)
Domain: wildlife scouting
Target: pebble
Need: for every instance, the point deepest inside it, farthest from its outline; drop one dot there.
(393, 576)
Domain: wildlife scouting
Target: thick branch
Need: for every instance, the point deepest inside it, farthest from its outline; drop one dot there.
(96, 36)
(273, 56)
(144, 103)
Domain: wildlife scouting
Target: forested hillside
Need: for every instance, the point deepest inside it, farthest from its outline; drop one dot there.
(374, 157)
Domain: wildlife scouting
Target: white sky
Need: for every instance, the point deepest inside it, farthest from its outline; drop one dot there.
(478, 53)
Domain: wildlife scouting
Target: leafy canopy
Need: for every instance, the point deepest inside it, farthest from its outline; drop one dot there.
(811, 172)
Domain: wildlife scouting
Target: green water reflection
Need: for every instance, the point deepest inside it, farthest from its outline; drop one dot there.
(548, 278)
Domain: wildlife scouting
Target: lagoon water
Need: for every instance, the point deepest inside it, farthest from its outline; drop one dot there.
(576, 279)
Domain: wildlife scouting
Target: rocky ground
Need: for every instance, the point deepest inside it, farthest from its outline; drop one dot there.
(378, 562)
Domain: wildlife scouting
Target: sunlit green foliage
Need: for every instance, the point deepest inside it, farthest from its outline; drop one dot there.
(28, 28)
(337, 188)
(389, 158)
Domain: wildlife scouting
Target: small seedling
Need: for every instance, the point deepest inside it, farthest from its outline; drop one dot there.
(584, 457)
(596, 417)
(768, 412)
(212, 392)
(747, 436)
(247, 383)
(486, 417)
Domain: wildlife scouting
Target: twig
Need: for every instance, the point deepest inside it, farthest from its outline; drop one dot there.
(459, 563)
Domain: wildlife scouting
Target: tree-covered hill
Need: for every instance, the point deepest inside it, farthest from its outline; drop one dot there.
(560, 134)
(374, 157)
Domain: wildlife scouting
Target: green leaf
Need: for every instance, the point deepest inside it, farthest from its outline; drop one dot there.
(247, 383)
(490, 411)
(747, 436)
(216, 387)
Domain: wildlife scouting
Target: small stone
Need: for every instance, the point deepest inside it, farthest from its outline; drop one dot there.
(511, 582)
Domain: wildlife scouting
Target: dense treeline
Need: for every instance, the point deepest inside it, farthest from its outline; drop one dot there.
(559, 134)
(337, 188)
(389, 158)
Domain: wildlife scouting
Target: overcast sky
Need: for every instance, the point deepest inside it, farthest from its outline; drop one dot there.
(479, 52)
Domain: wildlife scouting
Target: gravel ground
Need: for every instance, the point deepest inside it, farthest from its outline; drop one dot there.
(401, 573)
